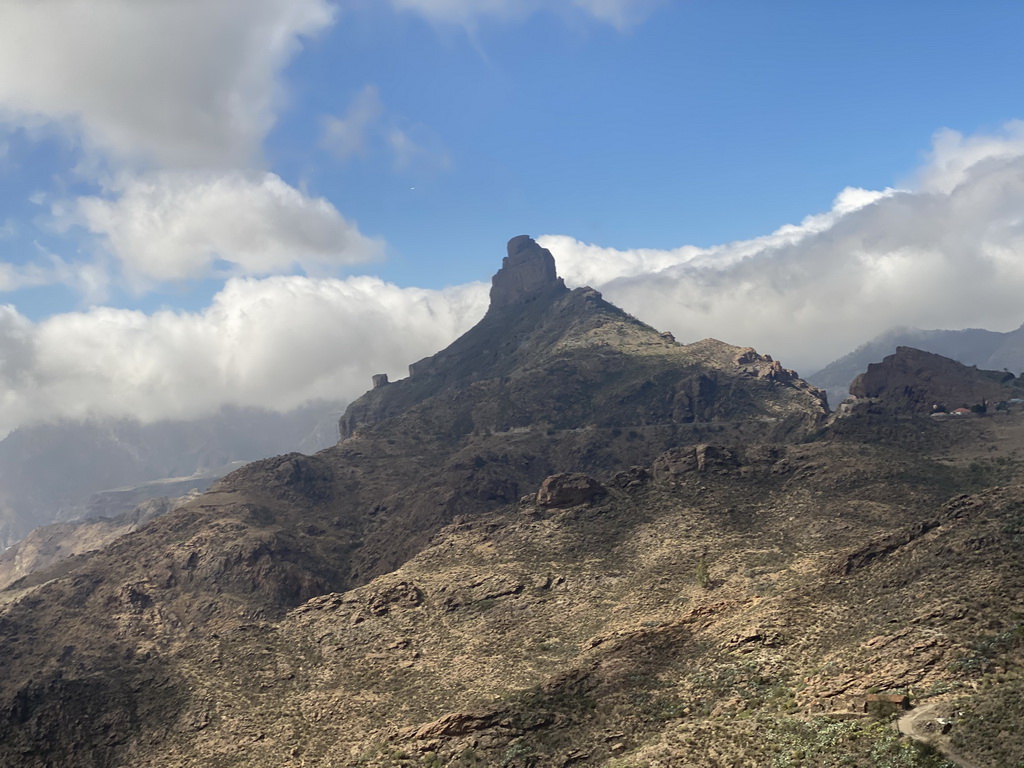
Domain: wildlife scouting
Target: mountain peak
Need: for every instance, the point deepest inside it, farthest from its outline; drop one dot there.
(526, 272)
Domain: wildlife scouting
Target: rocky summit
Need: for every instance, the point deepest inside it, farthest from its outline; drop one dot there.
(564, 540)
(913, 380)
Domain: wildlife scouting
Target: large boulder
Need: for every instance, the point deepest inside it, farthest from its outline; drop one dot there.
(568, 489)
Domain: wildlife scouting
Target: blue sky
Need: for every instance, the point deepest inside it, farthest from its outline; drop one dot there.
(187, 185)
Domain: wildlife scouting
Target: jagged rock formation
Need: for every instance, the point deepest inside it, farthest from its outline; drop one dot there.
(407, 598)
(914, 381)
(526, 273)
(569, 358)
(568, 489)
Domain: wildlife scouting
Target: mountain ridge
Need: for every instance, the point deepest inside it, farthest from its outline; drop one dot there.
(713, 586)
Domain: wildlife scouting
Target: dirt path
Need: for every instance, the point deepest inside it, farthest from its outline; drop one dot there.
(912, 725)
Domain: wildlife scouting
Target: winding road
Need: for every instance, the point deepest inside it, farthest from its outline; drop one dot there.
(912, 725)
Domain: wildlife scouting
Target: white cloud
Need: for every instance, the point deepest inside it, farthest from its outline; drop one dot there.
(347, 136)
(176, 225)
(408, 152)
(946, 254)
(277, 342)
(587, 264)
(167, 81)
(50, 269)
(953, 156)
(367, 123)
(465, 11)
(618, 13)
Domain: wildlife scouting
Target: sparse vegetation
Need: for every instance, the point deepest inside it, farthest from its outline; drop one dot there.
(702, 573)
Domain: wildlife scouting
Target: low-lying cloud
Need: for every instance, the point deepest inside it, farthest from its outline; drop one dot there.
(943, 253)
(948, 253)
(278, 342)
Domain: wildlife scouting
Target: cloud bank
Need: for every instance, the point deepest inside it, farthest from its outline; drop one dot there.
(948, 253)
(278, 342)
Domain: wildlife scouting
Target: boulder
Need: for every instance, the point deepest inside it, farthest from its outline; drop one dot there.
(568, 489)
(696, 458)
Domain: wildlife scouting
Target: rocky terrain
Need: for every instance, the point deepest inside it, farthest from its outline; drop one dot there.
(566, 539)
(972, 346)
(49, 544)
(913, 381)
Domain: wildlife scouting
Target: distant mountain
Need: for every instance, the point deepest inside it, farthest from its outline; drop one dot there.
(51, 472)
(50, 544)
(972, 346)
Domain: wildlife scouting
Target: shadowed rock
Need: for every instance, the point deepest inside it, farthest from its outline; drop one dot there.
(568, 489)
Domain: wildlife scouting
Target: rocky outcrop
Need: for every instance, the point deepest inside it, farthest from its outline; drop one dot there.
(989, 350)
(543, 355)
(525, 273)
(568, 489)
(697, 458)
(913, 381)
(451, 724)
(293, 476)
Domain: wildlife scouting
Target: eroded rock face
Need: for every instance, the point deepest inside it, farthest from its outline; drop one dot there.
(568, 489)
(527, 271)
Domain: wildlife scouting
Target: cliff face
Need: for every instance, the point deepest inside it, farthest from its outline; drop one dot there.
(565, 540)
(527, 272)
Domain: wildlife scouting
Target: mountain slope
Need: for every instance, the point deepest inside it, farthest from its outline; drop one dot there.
(446, 587)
